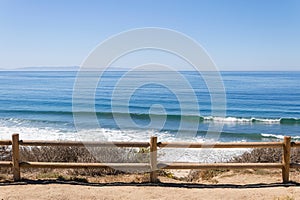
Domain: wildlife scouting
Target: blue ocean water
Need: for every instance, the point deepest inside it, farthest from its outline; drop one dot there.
(260, 106)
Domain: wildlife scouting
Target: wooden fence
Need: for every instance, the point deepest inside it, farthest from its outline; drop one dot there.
(154, 165)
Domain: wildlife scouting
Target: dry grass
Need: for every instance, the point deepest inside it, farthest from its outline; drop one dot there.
(204, 175)
(266, 155)
(260, 155)
(75, 154)
(122, 155)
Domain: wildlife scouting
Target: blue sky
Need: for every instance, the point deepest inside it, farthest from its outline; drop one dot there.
(238, 34)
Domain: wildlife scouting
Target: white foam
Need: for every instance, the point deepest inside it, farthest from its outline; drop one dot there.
(199, 155)
(179, 155)
(267, 135)
(231, 119)
(234, 120)
(267, 121)
(32, 133)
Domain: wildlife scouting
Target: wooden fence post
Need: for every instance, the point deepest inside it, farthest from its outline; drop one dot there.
(153, 159)
(286, 157)
(16, 157)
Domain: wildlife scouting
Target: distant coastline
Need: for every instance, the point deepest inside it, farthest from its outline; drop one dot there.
(58, 68)
(62, 68)
(76, 68)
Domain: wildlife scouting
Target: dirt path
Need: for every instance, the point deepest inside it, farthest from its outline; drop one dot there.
(67, 191)
(229, 185)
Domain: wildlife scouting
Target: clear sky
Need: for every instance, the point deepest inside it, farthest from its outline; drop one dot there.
(238, 34)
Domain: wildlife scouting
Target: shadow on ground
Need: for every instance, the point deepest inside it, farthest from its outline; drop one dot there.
(159, 184)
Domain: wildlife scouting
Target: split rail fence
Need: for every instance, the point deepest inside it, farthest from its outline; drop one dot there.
(153, 166)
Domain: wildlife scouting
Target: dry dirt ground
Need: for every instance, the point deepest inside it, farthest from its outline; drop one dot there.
(228, 185)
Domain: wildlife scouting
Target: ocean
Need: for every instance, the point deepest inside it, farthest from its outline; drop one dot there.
(260, 106)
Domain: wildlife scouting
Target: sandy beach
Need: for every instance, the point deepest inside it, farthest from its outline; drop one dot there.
(58, 191)
(229, 185)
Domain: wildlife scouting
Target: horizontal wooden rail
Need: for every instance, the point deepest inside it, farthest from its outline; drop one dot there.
(84, 165)
(295, 144)
(295, 165)
(221, 145)
(5, 164)
(83, 144)
(5, 142)
(219, 165)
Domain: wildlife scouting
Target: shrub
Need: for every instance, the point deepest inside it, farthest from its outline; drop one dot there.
(259, 155)
(76, 154)
(266, 155)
